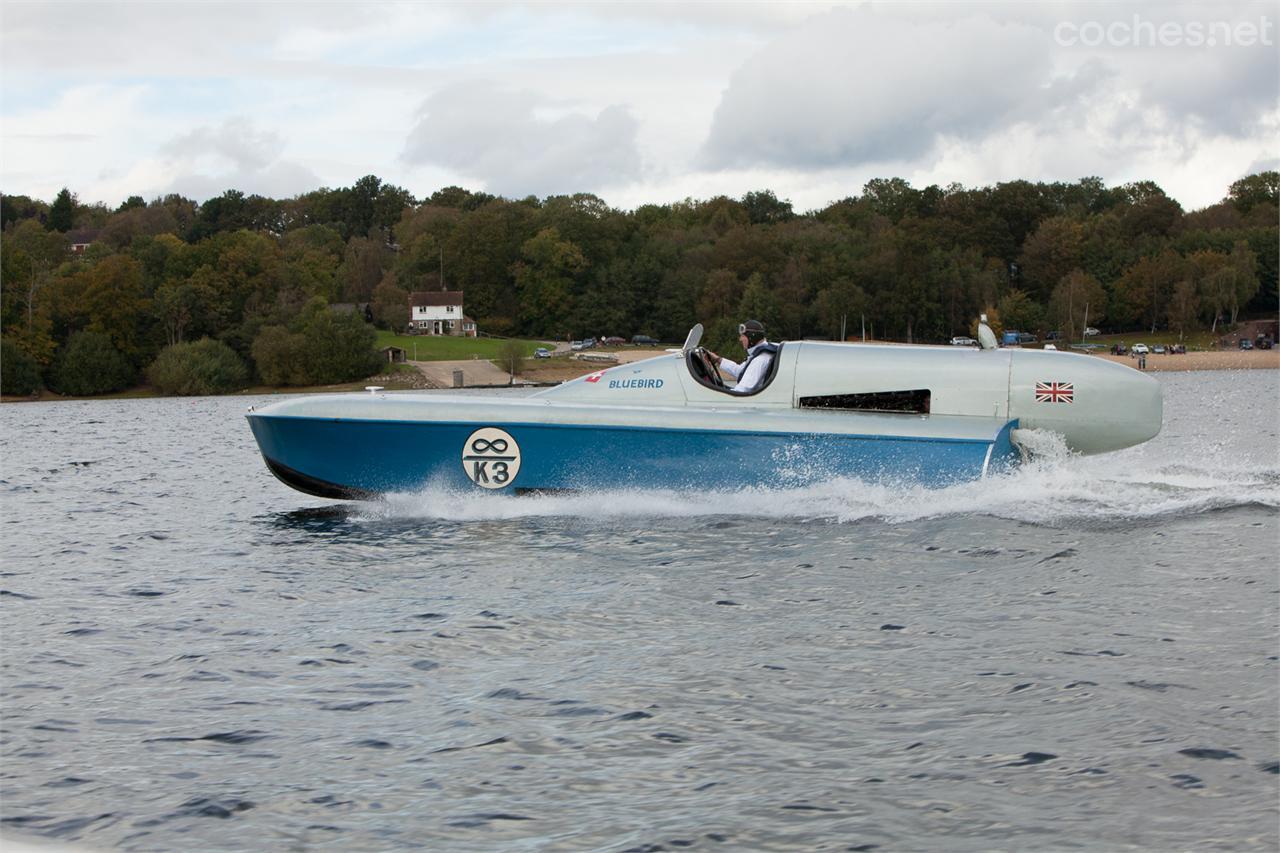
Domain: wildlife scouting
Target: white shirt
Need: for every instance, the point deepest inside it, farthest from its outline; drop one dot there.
(755, 372)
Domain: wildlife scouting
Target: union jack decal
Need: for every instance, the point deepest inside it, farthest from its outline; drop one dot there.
(1055, 392)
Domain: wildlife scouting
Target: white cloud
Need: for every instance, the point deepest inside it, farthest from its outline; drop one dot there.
(983, 94)
(858, 86)
(638, 102)
(236, 154)
(516, 142)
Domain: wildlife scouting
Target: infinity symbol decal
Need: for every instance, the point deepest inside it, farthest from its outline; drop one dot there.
(480, 445)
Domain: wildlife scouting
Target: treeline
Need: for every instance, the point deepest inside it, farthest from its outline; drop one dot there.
(254, 275)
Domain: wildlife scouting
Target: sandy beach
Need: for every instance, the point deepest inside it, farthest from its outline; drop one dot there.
(1224, 360)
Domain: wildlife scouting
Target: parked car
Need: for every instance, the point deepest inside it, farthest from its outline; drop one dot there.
(1053, 336)
(1178, 349)
(1119, 349)
(1090, 331)
(643, 340)
(575, 345)
(1140, 349)
(1245, 343)
(1264, 343)
(1158, 349)
(963, 342)
(542, 352)
(613, 341)
(588, 343)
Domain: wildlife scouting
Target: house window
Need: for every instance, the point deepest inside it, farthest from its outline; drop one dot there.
(449, 323)
(449, 309)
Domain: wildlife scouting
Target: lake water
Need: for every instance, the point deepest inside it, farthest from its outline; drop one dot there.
(1082, 655)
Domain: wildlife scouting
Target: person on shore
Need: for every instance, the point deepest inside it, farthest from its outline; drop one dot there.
(760, 354)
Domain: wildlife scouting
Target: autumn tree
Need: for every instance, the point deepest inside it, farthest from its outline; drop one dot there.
(1184, 307)
(1077, 300)
(1143, 290)
(1052, 251)
(1020, 312)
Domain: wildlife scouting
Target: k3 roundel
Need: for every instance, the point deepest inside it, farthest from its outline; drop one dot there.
(491, 458)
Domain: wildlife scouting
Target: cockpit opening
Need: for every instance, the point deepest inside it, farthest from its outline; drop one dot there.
(705, 373)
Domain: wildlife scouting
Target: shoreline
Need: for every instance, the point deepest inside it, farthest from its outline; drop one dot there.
(1186, 363)
(1221, 360)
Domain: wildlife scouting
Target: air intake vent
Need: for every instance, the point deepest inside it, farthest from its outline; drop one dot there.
(906, 402)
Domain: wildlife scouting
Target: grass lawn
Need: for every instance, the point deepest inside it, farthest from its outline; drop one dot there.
(447, 347)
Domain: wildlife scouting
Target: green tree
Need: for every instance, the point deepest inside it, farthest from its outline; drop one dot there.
(793, 299)
(544, 280)
(62, 213)
(841, 308)
(341, 345)
(19, 372)
(759, 303)
(1052, 251)
(320, 347)
(197, 368)
(28, 253)
(720, 296)
(280, 356)
(364, 261)
(15, 208)
(90, 364)
(183, 305)
(764, 207)
(1252, 190)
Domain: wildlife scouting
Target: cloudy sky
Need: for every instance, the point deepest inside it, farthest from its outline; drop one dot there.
(635, 102)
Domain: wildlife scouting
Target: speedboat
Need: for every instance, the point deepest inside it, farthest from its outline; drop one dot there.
(933, 415)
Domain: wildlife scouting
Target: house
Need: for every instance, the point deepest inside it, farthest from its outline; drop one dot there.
(394, 355)
(439, 312)
(81, 238)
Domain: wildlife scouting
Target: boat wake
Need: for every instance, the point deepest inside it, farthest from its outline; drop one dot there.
(1052, 488)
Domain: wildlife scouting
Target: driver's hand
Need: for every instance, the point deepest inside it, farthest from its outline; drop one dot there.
(714, 358)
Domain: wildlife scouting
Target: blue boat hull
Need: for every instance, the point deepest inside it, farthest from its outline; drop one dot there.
(353, 458)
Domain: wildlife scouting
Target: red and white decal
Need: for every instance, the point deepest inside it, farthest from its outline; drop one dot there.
(1055, 392)
(595, 377)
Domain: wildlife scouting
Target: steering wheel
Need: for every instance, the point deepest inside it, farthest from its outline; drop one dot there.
(709, 371)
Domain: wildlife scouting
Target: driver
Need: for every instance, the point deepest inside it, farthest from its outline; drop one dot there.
(760, 354)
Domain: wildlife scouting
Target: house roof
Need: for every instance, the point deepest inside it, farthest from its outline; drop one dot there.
(431, 298)
(83, 236)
